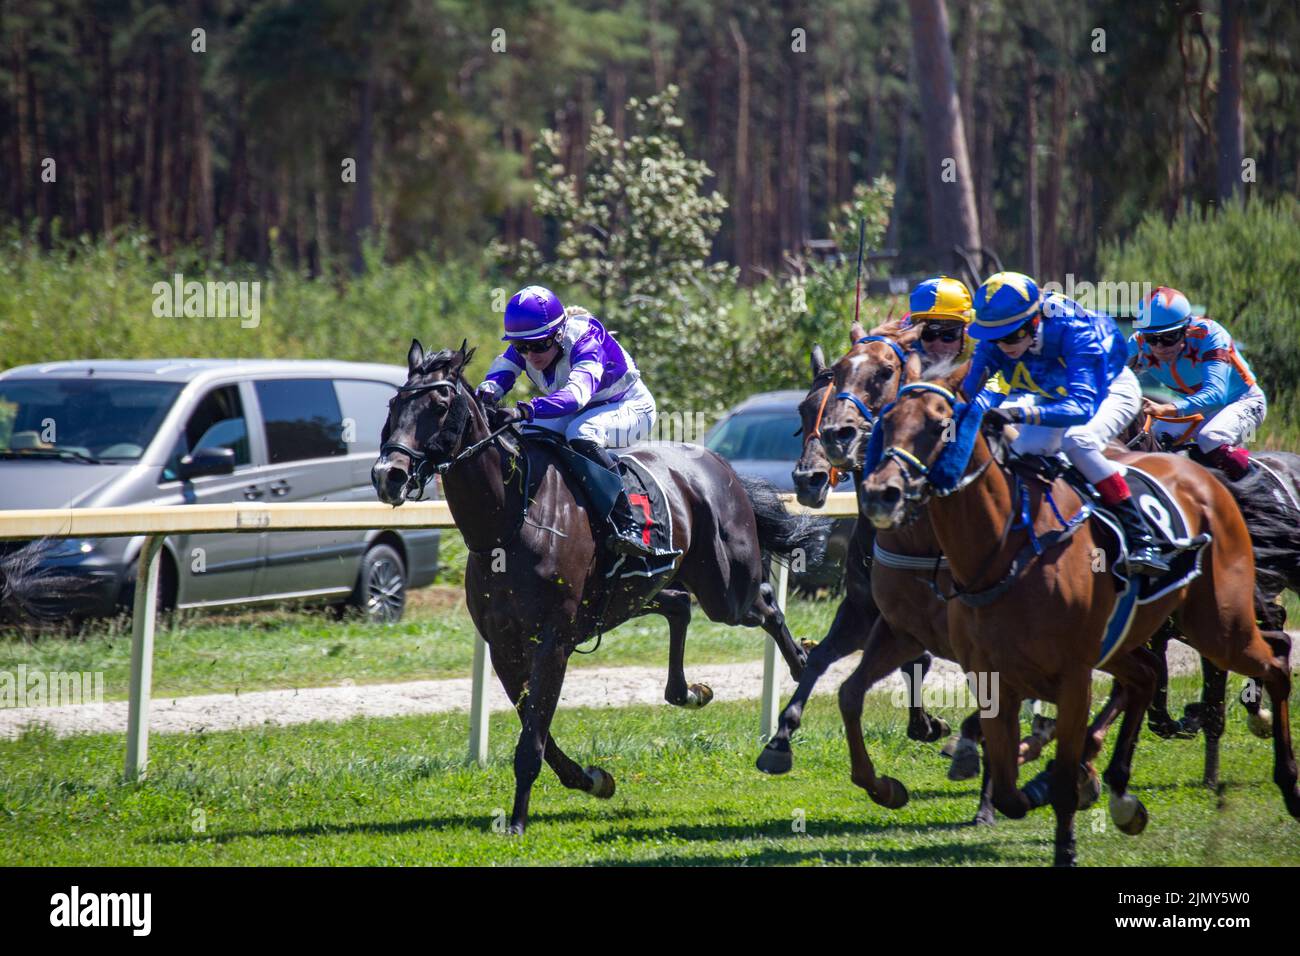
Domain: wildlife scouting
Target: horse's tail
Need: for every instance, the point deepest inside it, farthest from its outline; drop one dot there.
(780, 532)
(32, 593)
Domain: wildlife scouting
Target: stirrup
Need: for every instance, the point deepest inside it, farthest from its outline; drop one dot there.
(1147, 560)
(628, 544)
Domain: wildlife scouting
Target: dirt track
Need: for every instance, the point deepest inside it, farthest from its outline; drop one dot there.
(588, 687)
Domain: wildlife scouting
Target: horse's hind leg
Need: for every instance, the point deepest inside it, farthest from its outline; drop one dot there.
(1277, 680)
(848, 633)
(1212, 717)
(1160, 721)
(675, 606)
(767, 614)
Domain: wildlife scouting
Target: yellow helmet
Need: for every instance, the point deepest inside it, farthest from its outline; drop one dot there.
(941, 298)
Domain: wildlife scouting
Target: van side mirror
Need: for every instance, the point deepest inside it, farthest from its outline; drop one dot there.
(207, 461)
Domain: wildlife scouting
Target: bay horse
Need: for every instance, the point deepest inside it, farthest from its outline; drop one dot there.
(813, 478)
(536, 582)
(901, 584)
(1038, 621)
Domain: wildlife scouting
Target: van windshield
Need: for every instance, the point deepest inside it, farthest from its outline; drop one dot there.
(81, 419)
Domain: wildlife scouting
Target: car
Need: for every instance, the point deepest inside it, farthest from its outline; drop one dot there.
(177, 432)
(762, 438)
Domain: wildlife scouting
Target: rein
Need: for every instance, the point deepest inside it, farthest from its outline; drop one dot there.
(1019, 519)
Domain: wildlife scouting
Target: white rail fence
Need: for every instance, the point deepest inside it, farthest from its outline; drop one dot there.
(158, 522)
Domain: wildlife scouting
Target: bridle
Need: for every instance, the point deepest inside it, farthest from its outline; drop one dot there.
(911, 465)
(422, 469)
(846, 396)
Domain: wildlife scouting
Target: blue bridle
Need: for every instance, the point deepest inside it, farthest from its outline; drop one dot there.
(858, 403)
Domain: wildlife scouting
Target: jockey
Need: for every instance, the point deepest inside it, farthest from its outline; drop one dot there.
(592, 392)
(1197, 357)
(1070, 389)
(942, 308)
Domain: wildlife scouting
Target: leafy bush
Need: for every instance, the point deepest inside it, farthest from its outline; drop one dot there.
(1242, 263)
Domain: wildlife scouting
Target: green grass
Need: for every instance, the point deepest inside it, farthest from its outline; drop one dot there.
(258, 650)
(399, 791)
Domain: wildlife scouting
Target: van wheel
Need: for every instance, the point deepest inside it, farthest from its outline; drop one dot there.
(380, 593)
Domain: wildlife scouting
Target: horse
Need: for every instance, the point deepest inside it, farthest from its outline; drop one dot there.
(908, 573)
(813, 478)
(1269, 499)
(1031, 606)
(536, 582)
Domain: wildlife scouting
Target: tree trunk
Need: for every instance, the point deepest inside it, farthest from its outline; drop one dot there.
(1052, 196)
(953, 219)
(363, 195)
(1031, 166)
(1229, 121)
(742, 203)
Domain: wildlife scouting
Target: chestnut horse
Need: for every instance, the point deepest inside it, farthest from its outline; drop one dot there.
(1038, 623)
(536, 581)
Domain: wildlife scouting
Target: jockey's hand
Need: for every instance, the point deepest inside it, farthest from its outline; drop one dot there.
(500, 417)
(1159, 409)
(487, 396)
(1004, 416)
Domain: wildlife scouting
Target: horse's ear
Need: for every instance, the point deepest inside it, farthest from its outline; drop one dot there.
(466, 353)
(912, 368)
(415, 357)
(818, 359)
(855, 332)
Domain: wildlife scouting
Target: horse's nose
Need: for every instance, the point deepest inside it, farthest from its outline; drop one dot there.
(843, 435)
(881, 503)
(810, 486)
(389, 480)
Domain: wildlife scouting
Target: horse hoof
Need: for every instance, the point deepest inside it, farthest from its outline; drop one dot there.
(516, 829)
(965, 761)
(602, 783)
(939, 728)
(895, 795)
(1129, 814)
(1261, 724)
(984, 818)
(807, 645)
(775, 762)
(698, 695)
(1089, 787)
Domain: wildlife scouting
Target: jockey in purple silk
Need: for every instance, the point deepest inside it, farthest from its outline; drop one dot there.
(592, 392)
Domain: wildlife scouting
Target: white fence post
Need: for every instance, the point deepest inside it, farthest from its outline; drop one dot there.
(142, 628)
(478, 704)
(771, 688)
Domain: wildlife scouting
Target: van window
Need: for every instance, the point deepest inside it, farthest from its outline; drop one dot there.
(217, 422)
(302, 419)
(365, 409)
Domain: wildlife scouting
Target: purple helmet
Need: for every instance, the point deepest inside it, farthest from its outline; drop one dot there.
(534, 312)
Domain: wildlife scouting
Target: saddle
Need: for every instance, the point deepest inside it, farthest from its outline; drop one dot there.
(601, 488)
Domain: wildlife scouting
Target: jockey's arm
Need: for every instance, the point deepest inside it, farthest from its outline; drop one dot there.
(500, 378)
(1086, 363)
(1212, 393)
(584, 379)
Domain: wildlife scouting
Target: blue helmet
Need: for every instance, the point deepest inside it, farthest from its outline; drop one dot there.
(1163, 310)
(534, 312)
(1006, 301)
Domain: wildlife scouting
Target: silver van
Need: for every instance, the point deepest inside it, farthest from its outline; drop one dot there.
(178, 432)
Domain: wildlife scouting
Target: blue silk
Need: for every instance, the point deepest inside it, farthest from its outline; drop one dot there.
(953, 461)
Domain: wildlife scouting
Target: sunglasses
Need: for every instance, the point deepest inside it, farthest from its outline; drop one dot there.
(930, 333)
(1024, 332)
(526, 347)
(1166, 338)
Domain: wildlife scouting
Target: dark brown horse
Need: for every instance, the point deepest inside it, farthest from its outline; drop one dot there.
(1038, 623)
(535, 580)
(1269, 498)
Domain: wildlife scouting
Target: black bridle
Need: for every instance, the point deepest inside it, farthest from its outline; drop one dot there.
(422, 468)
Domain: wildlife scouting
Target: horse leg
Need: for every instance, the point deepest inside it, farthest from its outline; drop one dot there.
(1160, 721)
(883, 653)
(920, 725)
(845, 636)
(1071, 721)
(1212, 717)
(513, 678)
(767, 614)
(1137, 674)
(1001, 732)
(1277, 680)
(675, 607)
(966, 754)
(550, 658)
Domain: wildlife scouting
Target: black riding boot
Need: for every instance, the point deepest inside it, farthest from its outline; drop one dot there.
(625, 535)
(1143, 547)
